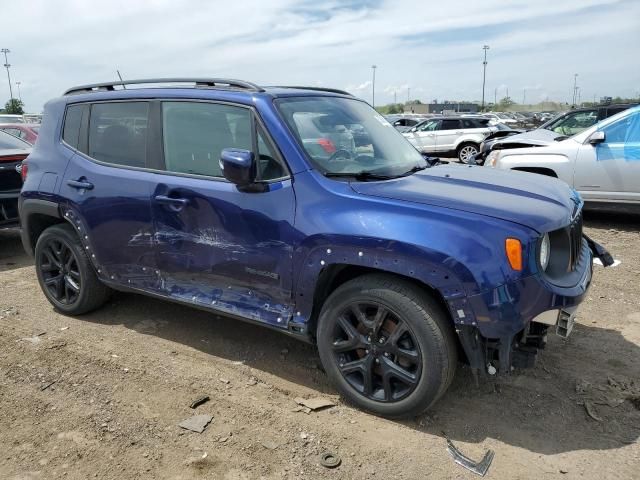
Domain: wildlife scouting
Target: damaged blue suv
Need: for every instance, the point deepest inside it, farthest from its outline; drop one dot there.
(304, 210)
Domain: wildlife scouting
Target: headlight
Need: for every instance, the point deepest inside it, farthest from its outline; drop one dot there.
(545, 251)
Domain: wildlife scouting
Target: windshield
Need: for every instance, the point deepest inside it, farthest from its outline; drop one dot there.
(341, 135)
(573, 123)
(9, 141)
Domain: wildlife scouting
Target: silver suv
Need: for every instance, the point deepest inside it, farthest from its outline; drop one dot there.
(461, 136)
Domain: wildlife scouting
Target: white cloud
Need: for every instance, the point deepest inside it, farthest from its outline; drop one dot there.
(433, 48)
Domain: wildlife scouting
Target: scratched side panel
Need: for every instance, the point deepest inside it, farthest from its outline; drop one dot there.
(226, 249)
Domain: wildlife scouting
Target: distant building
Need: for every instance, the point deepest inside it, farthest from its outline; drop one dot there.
(446, 107)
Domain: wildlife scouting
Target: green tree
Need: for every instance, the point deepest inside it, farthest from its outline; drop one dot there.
(14, 106)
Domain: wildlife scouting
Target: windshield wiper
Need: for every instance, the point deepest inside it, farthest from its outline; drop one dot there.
(413, 170)
(362, 175)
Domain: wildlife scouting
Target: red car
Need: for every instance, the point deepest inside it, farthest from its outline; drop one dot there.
(25, 131)
(13, 152)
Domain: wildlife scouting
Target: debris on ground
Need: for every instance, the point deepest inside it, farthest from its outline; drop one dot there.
(330, 460)
(479, 468)
(44, 387)
(591, 411)
(612, 394)
(199, 401)
(197, 423)
(316, 403)
(224, 380)
(269, 445)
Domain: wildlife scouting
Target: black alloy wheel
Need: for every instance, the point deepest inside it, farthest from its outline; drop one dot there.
(65, 273)
(60, 272)
(387, 345)
(376, 352)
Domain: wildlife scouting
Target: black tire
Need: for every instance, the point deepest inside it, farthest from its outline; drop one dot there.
(429, 333)
(62, 267)
(464, 151)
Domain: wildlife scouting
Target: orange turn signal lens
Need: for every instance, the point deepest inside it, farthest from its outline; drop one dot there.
(513, 248)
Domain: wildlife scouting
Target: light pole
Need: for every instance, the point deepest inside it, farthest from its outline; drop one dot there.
(373, 87)
(19, 94)
(408, 93)
(524, 95)
(484, 72)
(575, 85)
(7, 65)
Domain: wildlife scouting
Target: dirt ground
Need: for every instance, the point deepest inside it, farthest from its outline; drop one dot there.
(124, 378)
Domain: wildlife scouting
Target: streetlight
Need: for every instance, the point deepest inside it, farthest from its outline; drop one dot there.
(7, 65)
(484, 72)
(575, 86)
(373, 87)
(19, 94)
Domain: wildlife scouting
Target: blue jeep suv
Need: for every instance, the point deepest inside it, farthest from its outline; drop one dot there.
(304, 210)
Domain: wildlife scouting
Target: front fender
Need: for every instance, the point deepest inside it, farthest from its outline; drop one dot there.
(432, 268)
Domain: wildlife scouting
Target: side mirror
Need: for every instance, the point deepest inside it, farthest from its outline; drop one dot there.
(597, 137)
(238, 166)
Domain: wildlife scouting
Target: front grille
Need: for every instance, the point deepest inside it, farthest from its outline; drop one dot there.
(575, 241)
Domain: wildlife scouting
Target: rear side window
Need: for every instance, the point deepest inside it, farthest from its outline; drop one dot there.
(72, 120)
(450, 125)
(118, 133)
(194, 135)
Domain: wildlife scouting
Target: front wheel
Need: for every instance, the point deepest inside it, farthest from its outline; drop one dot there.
(387, 345)
(466, 151)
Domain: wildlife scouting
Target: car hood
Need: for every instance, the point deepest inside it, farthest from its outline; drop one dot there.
(535, 201)
(539, 136)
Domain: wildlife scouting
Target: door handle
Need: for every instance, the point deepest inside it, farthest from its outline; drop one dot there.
(80, 184)
(459, 131)
(176, 202)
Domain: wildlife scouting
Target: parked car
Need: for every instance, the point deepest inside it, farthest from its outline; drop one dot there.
(602, 163)
(404, 124)
(13, 151)
(11, 118)
(452, 135)
(502, 132)
(212, 193)
(499, 117)
(554, 130)
(25, 131)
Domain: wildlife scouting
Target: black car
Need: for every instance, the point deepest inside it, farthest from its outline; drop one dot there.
(12, 152)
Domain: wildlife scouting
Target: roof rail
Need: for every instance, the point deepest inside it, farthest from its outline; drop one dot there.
(198, 82)
(318, 89)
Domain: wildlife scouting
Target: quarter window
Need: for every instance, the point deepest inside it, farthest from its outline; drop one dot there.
(194, 135)
(118, 133)
(72, 121)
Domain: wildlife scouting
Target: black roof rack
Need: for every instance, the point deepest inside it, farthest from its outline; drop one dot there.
(318, 89)
(198, 82)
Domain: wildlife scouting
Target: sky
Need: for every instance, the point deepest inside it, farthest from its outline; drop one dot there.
(426, 49)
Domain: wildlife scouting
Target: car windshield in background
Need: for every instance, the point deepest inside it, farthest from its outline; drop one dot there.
(344, 136)
(573, 123)
(11, 119)
(10, 142)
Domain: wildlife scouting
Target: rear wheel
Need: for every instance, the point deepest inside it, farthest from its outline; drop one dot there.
(386, 345)
(65, 274)
(466, 151)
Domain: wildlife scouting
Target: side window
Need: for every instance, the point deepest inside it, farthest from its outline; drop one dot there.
(470, 124)
(118, 133)
(625, 130)
(269, 168)
(429, 126)
(194, 135)
(72, 120)
(450, 125)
